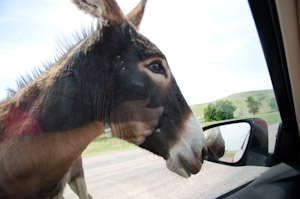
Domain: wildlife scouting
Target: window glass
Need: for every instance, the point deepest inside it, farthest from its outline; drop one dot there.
(214, 52)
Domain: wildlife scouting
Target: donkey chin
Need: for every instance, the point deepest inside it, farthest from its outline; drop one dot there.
(187, 155)
(182, 146)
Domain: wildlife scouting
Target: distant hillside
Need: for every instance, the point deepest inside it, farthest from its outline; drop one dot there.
(239, 100)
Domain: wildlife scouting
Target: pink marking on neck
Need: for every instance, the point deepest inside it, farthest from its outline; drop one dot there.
(19, 123)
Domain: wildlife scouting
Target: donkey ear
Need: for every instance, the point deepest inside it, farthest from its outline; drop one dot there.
(103, 9)
(136, 15)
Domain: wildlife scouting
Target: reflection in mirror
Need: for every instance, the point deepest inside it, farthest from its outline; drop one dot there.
(227, 143)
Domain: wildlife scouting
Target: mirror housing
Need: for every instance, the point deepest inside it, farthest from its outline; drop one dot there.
(254, 147)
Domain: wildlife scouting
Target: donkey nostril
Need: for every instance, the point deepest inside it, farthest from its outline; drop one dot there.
(204, 153)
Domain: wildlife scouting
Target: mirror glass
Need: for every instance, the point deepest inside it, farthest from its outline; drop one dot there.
(228, 142)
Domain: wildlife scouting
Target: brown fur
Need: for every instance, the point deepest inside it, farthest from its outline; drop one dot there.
(108, 10)
(136, 15)
(127, 124)
(28, 167)
(180, 128)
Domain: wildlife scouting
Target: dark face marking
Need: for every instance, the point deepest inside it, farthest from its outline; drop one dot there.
(176, 112)
(124, 50)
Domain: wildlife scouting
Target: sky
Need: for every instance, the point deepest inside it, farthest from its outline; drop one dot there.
(234, 135)
(212, 47)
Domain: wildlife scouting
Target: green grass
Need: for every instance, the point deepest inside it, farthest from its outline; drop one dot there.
(229, 153)
(270, 118)
(198, 109)
(102, 145)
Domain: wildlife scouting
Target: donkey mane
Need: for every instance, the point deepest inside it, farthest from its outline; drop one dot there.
(64, 45)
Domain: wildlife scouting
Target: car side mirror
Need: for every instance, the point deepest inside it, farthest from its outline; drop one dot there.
(238, 142)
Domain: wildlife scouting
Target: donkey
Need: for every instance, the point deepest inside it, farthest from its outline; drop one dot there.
(215, 143)
(47, 124)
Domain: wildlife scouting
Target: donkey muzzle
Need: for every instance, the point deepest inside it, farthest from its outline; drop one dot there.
(187, 155)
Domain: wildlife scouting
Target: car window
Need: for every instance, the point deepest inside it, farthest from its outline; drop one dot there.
(214, 53)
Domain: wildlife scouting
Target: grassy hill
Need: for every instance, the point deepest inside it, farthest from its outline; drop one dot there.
(239, 100)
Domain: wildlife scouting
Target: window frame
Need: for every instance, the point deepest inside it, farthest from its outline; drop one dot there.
(268, 28)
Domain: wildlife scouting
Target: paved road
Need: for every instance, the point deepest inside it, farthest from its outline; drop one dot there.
(139, 174)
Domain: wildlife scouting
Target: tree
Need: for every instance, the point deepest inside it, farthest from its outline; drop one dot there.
(221, 110)
(253, 105)
(273, 104)
(209, 112)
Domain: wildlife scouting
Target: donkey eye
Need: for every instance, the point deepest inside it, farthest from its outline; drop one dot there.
(156, 67)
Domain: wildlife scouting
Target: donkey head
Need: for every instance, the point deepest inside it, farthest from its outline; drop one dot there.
(139, 70)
